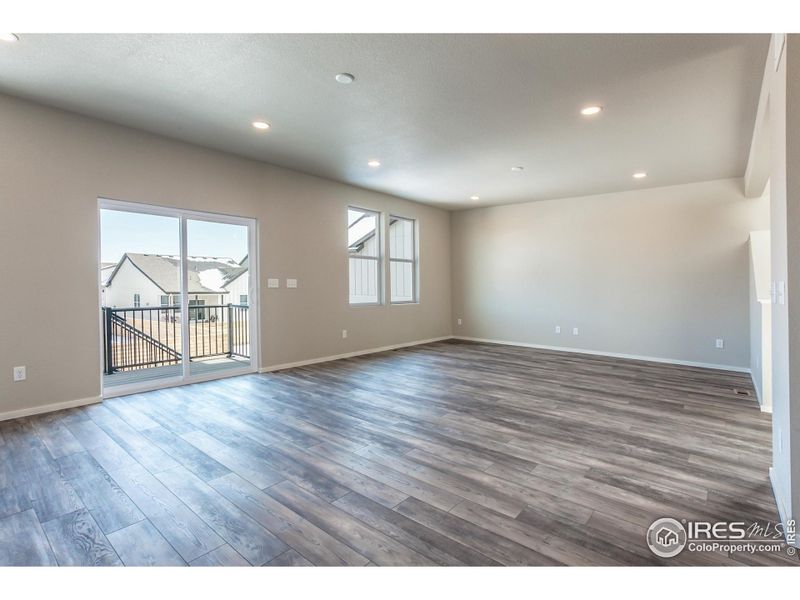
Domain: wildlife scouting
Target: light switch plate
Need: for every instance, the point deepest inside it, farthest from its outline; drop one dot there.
(291, 283)
(273, 283)
(720, 343)
(20, 373)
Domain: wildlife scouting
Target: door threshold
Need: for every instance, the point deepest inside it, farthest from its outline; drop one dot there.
(153, 385)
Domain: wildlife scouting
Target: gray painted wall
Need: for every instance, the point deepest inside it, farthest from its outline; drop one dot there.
(659, 272)
(55, 164)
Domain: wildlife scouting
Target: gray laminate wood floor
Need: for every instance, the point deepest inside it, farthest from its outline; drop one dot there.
(451, 453)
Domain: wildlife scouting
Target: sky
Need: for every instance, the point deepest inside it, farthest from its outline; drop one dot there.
(122, 232)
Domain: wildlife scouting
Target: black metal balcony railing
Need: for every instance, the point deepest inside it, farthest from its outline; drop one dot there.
(142, 338)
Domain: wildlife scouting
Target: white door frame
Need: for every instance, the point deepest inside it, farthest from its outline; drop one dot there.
(253, 300)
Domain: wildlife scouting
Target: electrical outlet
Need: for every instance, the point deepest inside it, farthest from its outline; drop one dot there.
(20, 373)
(720, 343)
(558, 328)
(574, 331)
(459, 321)
(344, 333)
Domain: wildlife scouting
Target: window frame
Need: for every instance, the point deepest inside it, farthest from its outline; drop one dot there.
(413, 261)
(137, 301)
(378, 258)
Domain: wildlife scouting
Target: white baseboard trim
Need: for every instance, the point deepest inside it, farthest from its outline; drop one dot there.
(322, 359)
(46, 408)
(670, 361)
(782, 512)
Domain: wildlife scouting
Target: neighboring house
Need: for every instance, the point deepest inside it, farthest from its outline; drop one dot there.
(106, 269)
(153, 280)
(238, 286)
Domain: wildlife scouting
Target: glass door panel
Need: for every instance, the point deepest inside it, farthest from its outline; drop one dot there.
(218, 289)
(139, 273)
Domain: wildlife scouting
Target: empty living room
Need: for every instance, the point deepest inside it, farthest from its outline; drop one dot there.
(427, 292)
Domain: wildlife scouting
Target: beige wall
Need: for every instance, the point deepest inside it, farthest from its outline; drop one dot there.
(53, 167)
(658, 272)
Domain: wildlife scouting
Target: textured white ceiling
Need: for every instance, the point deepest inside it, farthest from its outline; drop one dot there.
(447, 115)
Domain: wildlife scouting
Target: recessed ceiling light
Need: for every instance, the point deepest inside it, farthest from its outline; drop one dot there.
(9, 37)
(591, 110)
(261, 125)
(374, 163)
(474, 197)
(345, 78)
(517, 168)
(640, 175)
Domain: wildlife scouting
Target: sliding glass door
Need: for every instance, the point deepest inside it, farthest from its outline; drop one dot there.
(178, 296)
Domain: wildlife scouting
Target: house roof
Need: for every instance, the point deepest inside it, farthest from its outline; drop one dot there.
(245, 263)
(358, 245)
(106, 270)
(207, 274)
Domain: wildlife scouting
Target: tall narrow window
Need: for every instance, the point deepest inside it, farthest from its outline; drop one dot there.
(364, 250)
(402, 260)
(137, 300)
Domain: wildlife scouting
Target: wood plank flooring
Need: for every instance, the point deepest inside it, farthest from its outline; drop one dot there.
(452, 453)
